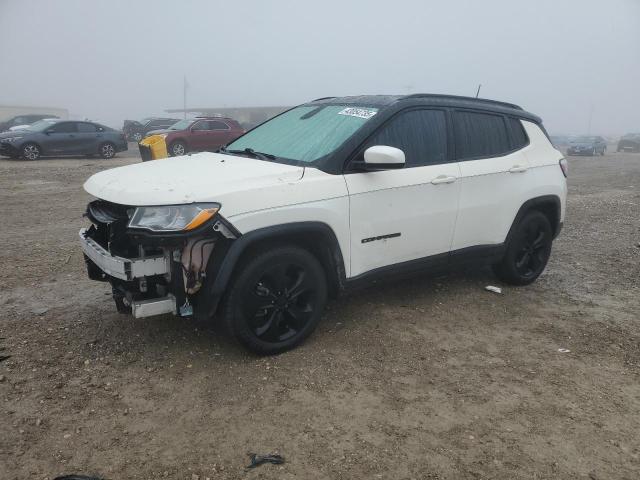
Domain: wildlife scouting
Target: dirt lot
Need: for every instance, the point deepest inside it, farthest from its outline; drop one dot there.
(432, 378)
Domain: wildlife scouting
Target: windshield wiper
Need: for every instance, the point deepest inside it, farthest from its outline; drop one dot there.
(249, 151)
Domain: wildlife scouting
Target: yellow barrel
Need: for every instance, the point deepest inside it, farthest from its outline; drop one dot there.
(153, 148)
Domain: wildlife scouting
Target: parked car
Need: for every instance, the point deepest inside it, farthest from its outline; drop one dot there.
(560, 141)
(25, 127)
(21, 120)
(199, 134)
(329, 195)
(587, 145)
(62, 137)
(629, 143)
(136, 130)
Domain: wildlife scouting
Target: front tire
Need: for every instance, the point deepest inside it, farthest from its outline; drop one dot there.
(107, 150)
(276, 300)
(136, 136)
(30, 151)
(528, 250)
(177, 148)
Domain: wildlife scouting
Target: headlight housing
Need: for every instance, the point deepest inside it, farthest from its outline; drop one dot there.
(173, 218)
(12, 139)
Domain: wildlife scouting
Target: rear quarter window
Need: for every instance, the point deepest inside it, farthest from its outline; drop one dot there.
(480, 135)
(518, 135)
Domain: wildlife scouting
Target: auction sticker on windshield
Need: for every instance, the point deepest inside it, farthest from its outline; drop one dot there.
(365, 113)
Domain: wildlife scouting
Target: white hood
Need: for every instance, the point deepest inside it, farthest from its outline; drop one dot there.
(249, 184)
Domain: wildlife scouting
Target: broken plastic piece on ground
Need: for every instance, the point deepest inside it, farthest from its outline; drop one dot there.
(493, 289)
(257, 460)
(564, 350)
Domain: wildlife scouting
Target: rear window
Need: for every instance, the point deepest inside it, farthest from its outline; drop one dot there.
(479, 135)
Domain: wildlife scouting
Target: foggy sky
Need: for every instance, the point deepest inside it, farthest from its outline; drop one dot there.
(116, 59)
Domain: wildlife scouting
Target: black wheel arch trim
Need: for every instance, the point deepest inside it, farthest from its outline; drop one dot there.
(542, 203)
(225, 258)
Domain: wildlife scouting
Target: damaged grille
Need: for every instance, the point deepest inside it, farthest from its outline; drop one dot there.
(109, 227)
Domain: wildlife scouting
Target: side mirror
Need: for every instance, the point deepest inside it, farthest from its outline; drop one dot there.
(381, 157)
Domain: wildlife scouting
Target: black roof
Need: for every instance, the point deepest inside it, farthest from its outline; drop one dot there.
(432, 99)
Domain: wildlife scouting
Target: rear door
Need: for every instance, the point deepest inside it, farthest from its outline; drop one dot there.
(406, 214)
(218, 135)
(62, 138)
(88, 137)
(494, 176)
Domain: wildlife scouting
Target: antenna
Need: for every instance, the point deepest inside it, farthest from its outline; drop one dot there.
(478, 91)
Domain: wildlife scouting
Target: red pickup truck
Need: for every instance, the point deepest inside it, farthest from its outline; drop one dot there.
(199, 134)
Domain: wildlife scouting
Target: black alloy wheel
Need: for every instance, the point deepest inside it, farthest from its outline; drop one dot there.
(276, 300)
(528, 250)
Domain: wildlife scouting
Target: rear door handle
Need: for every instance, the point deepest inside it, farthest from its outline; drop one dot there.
(518, 169)
(443, 179)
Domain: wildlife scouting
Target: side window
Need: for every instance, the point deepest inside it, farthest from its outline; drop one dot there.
(64, 127)
(518, 136)
(217, 125)
(480, 135)
(86, 127)
(420, 134)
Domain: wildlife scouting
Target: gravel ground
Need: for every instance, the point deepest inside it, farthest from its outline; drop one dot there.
(431, 378)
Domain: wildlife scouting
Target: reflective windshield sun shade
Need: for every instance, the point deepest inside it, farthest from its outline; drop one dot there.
(306, 133)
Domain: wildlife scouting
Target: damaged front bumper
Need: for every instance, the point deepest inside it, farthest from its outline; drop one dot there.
(152, 274)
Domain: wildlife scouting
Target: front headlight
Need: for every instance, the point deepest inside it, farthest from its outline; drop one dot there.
(173, 218)
(12, 139)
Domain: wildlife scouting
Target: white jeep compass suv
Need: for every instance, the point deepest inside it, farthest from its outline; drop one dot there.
(327, 195)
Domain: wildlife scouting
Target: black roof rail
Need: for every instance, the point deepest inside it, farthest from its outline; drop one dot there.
(460, 97)
(323, 98)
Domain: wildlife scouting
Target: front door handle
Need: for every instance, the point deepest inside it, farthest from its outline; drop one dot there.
(518, 169)
(443, 179)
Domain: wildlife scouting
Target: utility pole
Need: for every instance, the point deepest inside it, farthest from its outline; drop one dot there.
(478, 91)
(184, 95)
(590, 118)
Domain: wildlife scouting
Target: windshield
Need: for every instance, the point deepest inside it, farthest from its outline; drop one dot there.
(181, 125)
(305, 133)
(41, 125)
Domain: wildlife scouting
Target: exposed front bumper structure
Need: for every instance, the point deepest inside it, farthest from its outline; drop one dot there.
(153, 274)
(123, 268)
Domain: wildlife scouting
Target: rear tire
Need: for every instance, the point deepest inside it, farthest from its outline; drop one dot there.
(177, 148)
(136, 137)
(528, 250)
(276, 300)
(107, 150)
(30, 151)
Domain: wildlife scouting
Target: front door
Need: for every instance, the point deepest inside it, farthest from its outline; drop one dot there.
(61, 138)
(407, 214)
